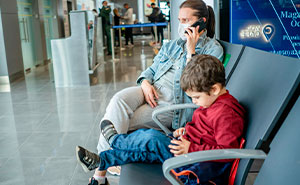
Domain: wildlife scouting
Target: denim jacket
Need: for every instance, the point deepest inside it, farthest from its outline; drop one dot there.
(163, 61)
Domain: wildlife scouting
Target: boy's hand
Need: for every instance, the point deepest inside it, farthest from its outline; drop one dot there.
(179, 132)
(180, 147)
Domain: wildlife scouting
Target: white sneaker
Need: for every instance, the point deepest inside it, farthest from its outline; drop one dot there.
(114, 170)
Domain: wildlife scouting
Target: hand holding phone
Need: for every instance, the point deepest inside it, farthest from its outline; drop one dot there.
(179, 147)
(179, 132)
(201, 23)
(192, 36)
(171, 136)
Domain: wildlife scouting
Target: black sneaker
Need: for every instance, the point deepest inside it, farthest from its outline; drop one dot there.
(95, 182)
(108, 130)
(88, 160)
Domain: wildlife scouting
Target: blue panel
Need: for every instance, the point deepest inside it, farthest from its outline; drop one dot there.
(270, 25)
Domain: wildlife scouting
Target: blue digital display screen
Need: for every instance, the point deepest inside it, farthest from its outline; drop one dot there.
(270, 25)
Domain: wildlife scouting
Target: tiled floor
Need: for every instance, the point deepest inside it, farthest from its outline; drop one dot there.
(41, 125)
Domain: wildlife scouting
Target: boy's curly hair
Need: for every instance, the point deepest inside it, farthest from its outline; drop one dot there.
(201, 73)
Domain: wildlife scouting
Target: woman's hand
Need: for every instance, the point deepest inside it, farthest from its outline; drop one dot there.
(180, 147)
(150, 93)
(192, 36)
(179, 132)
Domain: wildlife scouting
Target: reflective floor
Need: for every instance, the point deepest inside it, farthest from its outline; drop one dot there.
(41, 125)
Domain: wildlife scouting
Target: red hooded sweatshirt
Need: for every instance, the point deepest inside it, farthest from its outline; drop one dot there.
(219, 126)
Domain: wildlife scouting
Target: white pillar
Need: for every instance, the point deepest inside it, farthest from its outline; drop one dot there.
(11, 60)
(174, 18)
(141, 11)
(217, 15)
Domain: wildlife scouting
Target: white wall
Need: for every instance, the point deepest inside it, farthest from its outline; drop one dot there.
(86, 4)
(3, 66)
(11, 37)
(209, 2)
(174, 17)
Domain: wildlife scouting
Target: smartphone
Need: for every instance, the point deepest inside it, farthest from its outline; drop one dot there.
(171, 136)
(200, 23)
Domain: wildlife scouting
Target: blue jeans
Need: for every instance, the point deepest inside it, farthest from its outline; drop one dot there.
(151, 146)
(143, 145)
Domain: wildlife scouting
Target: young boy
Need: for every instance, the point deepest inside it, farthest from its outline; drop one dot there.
(217, 124)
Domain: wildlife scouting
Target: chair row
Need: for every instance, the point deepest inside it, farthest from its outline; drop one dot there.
(266, 85)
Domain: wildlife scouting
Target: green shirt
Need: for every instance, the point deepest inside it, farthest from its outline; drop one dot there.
(104, 13)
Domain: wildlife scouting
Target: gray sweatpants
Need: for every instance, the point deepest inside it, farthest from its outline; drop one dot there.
(128, 110)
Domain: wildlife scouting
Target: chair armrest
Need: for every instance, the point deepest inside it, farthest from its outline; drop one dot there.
(207, 155)
(167, 109)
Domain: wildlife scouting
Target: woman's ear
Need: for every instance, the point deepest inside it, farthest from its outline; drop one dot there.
(204, 19)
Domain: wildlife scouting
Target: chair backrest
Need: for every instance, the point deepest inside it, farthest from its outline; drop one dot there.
(282, 163)
(263, 83)
(232, 55)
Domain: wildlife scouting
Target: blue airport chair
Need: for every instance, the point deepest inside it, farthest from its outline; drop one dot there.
(281, 165)
(232, 56)
(264, 84)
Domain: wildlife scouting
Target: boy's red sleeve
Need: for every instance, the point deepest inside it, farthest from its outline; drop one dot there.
(228, 129)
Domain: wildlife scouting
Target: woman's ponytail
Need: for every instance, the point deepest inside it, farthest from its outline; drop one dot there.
(210, 25)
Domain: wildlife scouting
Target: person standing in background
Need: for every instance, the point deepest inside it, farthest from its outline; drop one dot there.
(153, 5)
(117, 18)
(160, 29)
(169, 16)
(128, 20)
(155, 17)
(95, 12)
(104, 14)
(151, 19)
(91, 33)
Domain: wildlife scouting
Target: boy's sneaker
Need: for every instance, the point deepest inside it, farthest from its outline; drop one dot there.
(114, 170)
(108, 130)
(88, 160)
